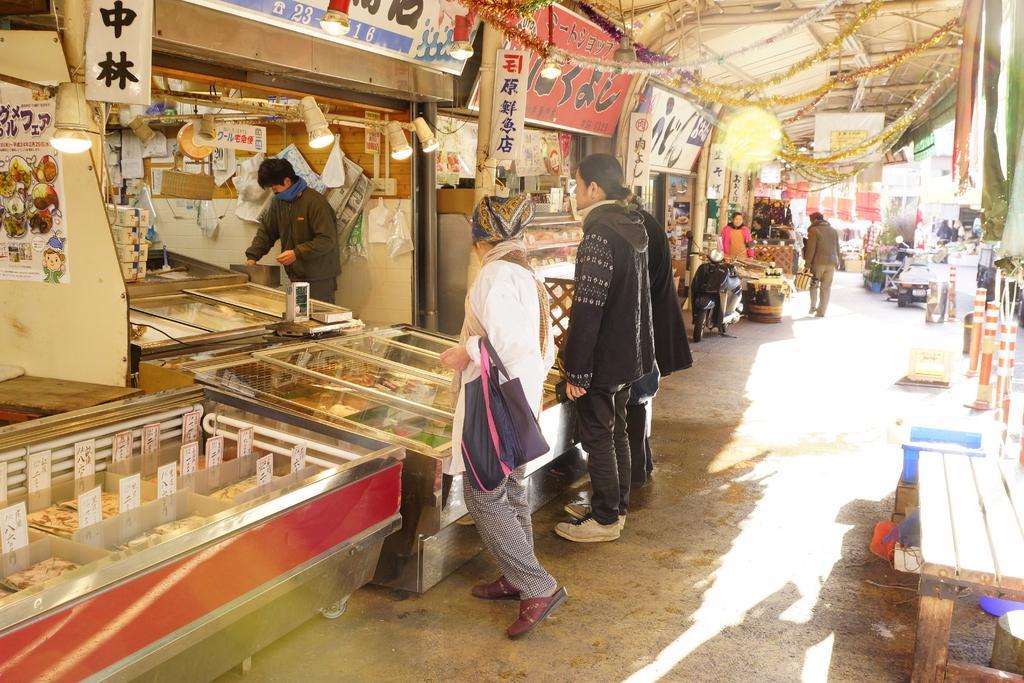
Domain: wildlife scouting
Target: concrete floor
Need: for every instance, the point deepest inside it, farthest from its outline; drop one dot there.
(746, 558)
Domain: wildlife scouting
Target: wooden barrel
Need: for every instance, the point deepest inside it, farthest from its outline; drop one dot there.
(763, 303)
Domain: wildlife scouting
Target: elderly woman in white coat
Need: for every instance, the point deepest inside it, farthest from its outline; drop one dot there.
(508, 305)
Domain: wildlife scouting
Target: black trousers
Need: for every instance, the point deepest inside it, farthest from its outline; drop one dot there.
(638, 428)
(323, 290)
(601, 423)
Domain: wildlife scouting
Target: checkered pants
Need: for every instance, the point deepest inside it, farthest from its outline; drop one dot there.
(502, 518)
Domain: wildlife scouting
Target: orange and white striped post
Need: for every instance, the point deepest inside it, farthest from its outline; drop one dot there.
(1002, 370)
(986, 396)
(1011, 359)
(980, 296)
(951, 304)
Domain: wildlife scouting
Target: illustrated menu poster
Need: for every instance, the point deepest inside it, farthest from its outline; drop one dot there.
(33, 220)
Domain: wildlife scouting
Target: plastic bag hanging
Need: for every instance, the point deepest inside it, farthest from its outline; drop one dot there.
(208, 219)
(334, 170)
(355, 245)
(400, 241)
(252, 199)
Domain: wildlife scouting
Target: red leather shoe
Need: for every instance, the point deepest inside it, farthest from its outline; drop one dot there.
(498, 590)
(532, 611)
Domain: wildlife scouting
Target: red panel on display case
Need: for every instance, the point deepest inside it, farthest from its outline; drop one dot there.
(107, 627)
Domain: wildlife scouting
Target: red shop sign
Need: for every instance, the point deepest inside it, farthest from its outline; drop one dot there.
(582, 99)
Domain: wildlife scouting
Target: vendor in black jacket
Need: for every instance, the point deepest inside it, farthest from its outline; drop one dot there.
(609, 343)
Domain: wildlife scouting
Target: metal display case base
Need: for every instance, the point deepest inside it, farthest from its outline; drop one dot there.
(438, 554)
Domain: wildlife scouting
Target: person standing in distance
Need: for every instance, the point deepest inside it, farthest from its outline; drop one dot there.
(302, 219)
(822, 255)
(609, 343)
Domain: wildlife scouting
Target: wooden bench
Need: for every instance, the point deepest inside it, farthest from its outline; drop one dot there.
(972, 539)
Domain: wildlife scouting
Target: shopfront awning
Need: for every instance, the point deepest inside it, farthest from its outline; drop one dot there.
(921, 136)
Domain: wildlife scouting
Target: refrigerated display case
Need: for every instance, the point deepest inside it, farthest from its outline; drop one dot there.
(209, 540)
(389, 384)
(551, 243)
(181, 272)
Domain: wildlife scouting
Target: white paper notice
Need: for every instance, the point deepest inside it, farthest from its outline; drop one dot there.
(245, 439)
(130, 492)
(214, 451)
(167, 480)
(265, 470)
(121, 446)
(190, 426)
(189, 459)
(90, 507)
(38, 471)
(13, 528)
(298, 457)
(151, 439)
(85, 458)
(157, 180)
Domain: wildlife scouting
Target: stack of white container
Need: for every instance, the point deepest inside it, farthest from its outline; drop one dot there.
(128, 225)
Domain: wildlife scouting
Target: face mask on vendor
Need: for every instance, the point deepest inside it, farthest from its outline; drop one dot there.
(278, 189)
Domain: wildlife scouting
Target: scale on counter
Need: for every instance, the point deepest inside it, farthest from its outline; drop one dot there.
(298, 322)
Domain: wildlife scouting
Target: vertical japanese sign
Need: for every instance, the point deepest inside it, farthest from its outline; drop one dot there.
(33, 219)
(371, 136)
(716, 172)
(507, 127)
(738, 189)
(119, 51)
(638, 154)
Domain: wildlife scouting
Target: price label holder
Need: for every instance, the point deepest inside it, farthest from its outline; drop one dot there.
(38, 471)
(13, 528)
(246, 436)
(121, 446)
(214, 451)
(167, 480)
(150, 448)
(85, 459)
(90, 507)
(298, 458)
(190, 426)
(3, 482)
(130, 493)
(189, 459)
(265, 470)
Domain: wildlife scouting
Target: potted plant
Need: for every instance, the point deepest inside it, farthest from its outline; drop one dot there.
(874, 278)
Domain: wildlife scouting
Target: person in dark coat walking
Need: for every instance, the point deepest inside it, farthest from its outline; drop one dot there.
(671, 348)
(609, 343)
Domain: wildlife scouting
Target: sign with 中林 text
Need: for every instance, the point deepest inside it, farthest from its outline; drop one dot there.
(508, 129)
(119, 51)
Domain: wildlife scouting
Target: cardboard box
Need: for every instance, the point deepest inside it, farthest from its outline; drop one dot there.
(132, 217)
(456, 201)
(854, 265)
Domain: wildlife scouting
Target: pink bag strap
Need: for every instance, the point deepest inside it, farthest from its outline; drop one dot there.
(485, 375)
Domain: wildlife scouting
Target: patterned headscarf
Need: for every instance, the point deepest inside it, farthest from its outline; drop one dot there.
(499, 220)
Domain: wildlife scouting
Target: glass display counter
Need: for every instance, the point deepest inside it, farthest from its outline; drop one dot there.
(137, 533)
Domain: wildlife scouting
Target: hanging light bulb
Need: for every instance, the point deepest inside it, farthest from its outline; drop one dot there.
(335, 21)
(551, 69)
(400, 149)
(73, 120)
(461, 49)
(428, 142)
(626, 52)
(207, 133)
(320, 134)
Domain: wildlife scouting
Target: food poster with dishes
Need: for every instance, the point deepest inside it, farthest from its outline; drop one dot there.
(33, 222)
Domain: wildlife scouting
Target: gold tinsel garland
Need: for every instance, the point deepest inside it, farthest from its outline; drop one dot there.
(719, 94)
(807, 62)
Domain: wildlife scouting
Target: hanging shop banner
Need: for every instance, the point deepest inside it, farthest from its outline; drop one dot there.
(119, 51)
(771, 174)
(638, 152)
(581, 99)
(833, 132)
(456, 157)
(236, 136)
(414, 31)
(738, 189)
(679, 132)
(508, 129)
(717, 164)
(33, 223)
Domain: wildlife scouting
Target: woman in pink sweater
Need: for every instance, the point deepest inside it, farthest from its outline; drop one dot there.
(736, 238)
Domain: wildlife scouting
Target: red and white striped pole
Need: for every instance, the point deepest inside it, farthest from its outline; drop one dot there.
(986, 396)
(951, 304)
(1011, 359)
(1002, 371)
(980, 296)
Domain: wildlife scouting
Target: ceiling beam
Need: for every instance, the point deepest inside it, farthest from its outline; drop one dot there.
(782, 16)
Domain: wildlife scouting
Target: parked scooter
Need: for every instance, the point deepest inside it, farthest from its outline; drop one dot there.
(716, 296)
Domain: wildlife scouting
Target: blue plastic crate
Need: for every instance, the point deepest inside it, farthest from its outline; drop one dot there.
(947, 436)
(937, 441)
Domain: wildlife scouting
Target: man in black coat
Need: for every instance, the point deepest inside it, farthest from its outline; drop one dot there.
(671, 348)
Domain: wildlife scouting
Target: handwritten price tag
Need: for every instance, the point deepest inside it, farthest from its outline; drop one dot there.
(130, 490)
(3, 482)
(121, 446)
(214, 451)
(85, 458)
(13, 528)
(298, 457)
(245, 439)
(167, 480)
(38, 471)
(190, 426)
(265, 470)
(189, 459)
(90, 508)
(151, 439)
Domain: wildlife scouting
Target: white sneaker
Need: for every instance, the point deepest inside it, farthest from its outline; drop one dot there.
(581, 510)
(587, 530)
